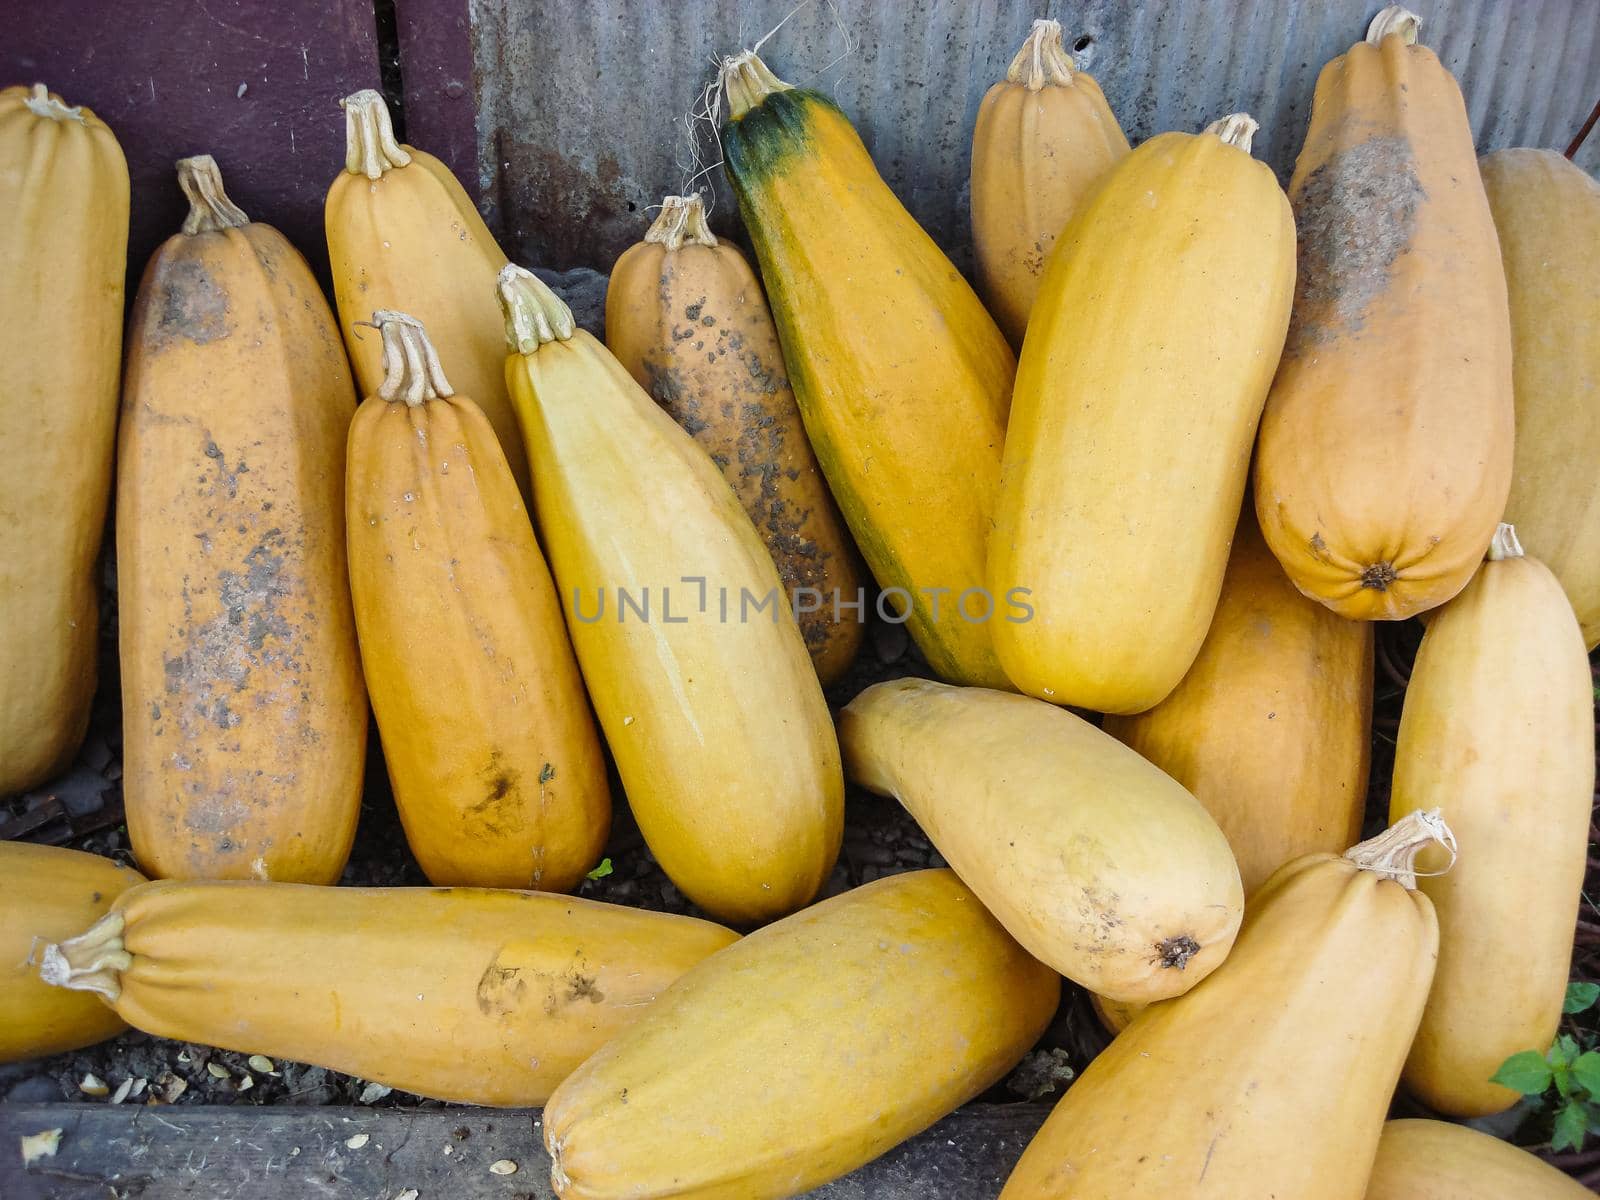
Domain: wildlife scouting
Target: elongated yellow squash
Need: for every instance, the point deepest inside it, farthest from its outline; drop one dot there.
(1498, 732)
(1435, 1160)
(903, 379)
(1100, 865)
(462, 994)
(1547, 213)
(486, 729)
(48, 893)
(1271, 727)
(63, 255)
(803, 1051)
(244, 716)
(685, 315)
(1149, 353)
(1044, 136)
(1385, 449)
(1273, 1076)
(403, 234)
(691, 654)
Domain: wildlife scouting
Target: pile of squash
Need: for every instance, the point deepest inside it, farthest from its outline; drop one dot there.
(1212, 432)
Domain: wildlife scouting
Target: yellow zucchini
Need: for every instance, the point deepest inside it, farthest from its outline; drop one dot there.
(461, 994)
(803, 1051)
(685, 315)
(403, 234)
(63, 256)
(1498, 732)
(903, 379)
(1100, 865)
(1435, 1160)
(48, 893)
(1044, 136)
(1273, 1076)
(1149, 353)
(691, 654)
(486, 729)
(244, 716)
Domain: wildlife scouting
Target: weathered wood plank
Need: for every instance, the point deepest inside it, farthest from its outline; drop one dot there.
(437, 81)
(245, 1153)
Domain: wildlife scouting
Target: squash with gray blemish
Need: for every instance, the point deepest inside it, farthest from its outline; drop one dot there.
(686, 316)
(1384, 456)
(244, 715)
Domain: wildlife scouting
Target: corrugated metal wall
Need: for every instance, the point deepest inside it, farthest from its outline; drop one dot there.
(581, 106)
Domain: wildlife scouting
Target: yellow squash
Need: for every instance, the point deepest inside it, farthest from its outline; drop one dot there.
(1271, 1079)
(685, 315)
(1498, 732)
(63, 255)
(244, 717)
(803, 1051)
(692, 656)
(1044, 136)
(1547, 212)
(1435, 1160)
(486, 729)
(903, 379)
(461, 994)
(1385, 449)
(403, 234)
(1100, 865)
(1271, 727)
(48, 893)
(1149, 353)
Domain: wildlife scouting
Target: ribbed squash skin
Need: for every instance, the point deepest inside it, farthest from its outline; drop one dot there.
(48, 892)
(63, 255)
(1099, 864)
(1043, 138)
(1498, 732)
(412, 240)
(1271, 727)
(244, 715)
(903, 379)
(464, 994)
(690, 324)
(1273, 1076)
(1547, 212)
(1385, 448)
(719, 729)
(803, 1051)
(1149, 353)
(487, 734)
(1435, 1160)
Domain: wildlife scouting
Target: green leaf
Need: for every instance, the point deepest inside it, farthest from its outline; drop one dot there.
(1527, 1073)
(1564, 1050)
(1594, 1117)
(601, 871)
(1586, 1072)
(1581, 996)
(1571, 1124)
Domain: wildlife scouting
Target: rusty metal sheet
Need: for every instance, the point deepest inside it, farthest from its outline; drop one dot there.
(580, 107)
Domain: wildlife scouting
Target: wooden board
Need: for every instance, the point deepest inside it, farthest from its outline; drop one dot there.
(129, 1152)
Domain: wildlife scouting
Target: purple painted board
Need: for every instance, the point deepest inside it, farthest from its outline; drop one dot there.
(440, 102)
(256, 85)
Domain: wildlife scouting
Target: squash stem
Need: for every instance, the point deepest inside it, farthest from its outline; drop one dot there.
(748, 82)
(534, 314)
(1235, 129)
(1504, 544)
(682, 220)
(411, 365)
(1396, 20)
(1043, 60)
(1393, 853)
(91, 962)
(42, 104)
(369, 145)
(210, 210)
